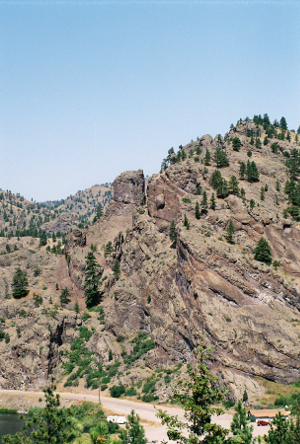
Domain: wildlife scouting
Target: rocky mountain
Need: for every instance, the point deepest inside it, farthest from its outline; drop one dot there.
(20, 217)
(177, 257)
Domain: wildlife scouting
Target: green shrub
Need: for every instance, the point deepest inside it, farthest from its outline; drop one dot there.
(117, 390)
(186, 200)
(131, 392)
(86, 316)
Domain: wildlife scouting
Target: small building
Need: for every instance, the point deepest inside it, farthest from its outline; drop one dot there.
(266, 414)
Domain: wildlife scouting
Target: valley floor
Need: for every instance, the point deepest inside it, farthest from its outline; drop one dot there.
(154, 430)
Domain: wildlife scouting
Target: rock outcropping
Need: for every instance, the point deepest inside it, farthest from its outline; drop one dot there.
(248, 310)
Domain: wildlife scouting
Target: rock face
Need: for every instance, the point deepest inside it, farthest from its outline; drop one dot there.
(248, 310)
(129, 187)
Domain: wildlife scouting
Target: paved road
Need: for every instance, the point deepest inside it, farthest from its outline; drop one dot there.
(154, 430)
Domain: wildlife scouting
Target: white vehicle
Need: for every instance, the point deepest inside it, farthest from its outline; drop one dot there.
(117, 419)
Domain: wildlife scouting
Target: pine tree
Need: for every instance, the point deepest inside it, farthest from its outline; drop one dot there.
(197, 393)
(239, 425)
(221, 158)
(278, 185)
(50, 425)
(279, 431)
(173, 234)
(93, 273)
(64, 296)
(262, 193)
(283, 124)
(216, 179)
(134, 432)
(262, 251)
(207, 158)
(99, 213)
(236, 144)
(204, 204)
(242, 171)
(233, 185)
(117, 269)
(19, 284)
(186, 222)
(197, 210)
(230, 231)
(213, 202)
(76, 307)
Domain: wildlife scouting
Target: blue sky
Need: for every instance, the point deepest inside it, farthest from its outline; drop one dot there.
(91, 89)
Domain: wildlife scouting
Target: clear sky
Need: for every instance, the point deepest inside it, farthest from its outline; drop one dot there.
(89, 89)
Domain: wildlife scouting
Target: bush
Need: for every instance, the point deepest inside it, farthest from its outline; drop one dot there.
(117, 390)
(85, 316)
(130, 392)
(186, 200)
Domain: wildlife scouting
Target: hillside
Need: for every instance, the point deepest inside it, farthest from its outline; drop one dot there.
(20, 217)
(161, 288)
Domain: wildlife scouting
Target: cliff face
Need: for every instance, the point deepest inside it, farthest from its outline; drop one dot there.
(248, 310)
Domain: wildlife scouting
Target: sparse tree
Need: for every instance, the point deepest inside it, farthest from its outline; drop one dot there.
(239, 425)
(117, 269)
(262, 251)
(93, 273)
(197, 393)
(186, 222)
(197, 210)
(65, 296)
(230, 232)
(207, 158)
(173, 233)
(19, 284)
(134, 432)
(242, 171)
(213, 202)
(204, 204)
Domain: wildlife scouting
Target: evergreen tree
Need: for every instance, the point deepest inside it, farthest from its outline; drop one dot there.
(50, 425)
(207, 158)
(221, 158)
(117, 269)
(242, 171)
(198, 394)
(99, 213)
(64, 296)
(216, 179)
(173, 234)
(213, 202)
(236, 144)
(279, 431)
(76, 307)
(204, 204)
(257, 143)
(298, 130)
(19, 284)
(43, 239)
(230, 231)
(252, 173)
(245, 397)
(222, 190)
(186, 222)
(262, 251)
(233, 185)
(197, 211)
(262, 193)
(134, 432)
(239, 425)
(99, 434)
(93, 274)
(283, 124)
